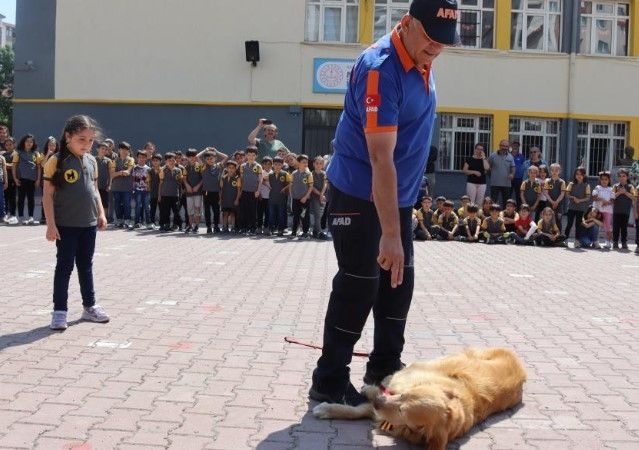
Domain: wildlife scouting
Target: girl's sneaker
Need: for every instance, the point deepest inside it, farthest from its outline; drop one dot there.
(31, 221)
(25, 221)
(95, 314)
(59, 320)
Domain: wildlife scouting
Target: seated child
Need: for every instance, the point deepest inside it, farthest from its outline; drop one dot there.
(524, 227)
(548, 234)
(510, 216)
(592, 221)
(424, 216)
(485, 208)
(461, 212)
(471, 225)
(448, 222)
(493, 227)
(439, 208)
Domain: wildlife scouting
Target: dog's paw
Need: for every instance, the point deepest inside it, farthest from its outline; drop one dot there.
(322, 411)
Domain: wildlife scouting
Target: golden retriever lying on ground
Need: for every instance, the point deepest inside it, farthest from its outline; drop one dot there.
(439, 401)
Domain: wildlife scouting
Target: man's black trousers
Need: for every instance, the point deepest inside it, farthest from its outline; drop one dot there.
(359, 286)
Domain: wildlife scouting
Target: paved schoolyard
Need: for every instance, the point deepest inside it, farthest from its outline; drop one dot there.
(194, 356)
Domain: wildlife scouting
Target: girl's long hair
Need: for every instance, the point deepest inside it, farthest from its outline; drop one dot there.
(581, 170)
(24, 139)
(74, 125)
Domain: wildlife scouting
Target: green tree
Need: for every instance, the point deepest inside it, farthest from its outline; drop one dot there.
(7, 64)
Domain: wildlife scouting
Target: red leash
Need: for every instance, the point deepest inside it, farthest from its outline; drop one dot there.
(292, 340)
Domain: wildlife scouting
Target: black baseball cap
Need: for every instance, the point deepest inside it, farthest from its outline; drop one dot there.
(439, 19)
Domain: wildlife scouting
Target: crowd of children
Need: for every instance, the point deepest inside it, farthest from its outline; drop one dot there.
(234, 194)
(544, 201)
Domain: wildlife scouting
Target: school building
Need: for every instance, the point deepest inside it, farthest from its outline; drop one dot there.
(559, 74)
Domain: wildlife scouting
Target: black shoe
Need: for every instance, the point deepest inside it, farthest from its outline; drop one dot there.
(304, 235)
(280, 234)
(624, 246)
(351, 397)
(217, 230)
(375, 377)
(209, 230)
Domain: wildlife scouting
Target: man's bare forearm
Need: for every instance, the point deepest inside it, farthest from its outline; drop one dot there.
(385, 196)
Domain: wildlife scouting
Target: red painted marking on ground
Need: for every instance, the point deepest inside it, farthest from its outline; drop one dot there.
(77, 446)
(213, 308)
(630, 320)
(181, 346)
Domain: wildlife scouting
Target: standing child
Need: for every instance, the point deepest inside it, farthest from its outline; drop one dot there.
(509, 215)
(51, 147)
(318, 198)
(104, 175)
(301, 189)
(625, 196)
(251, 175)
(4, 185)
(543, 199)
(231, 190)
(279, 182)
(213, 166)
(10, 194)
(591, 224)
(548, 233)
(140, 175)
(27, 174)
(180, 163)
(555, 191)
(578, 193)
(530, 190)
(193, 188)
(121, 185)
(494, 227)
(524, 227)
(169, 193)
(154, 186)
(265, 192)
(603, 198)
(74, 211)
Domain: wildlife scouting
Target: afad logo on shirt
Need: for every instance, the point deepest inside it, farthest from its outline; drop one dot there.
(372, 102)
(71, 176)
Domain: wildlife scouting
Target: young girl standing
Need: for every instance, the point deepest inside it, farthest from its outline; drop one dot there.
(74, 211)
(543, 198)
(27, 175)
(622, 206)
(578, 193)
(603, 198)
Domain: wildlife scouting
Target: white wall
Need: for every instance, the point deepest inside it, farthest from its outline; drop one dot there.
(193, 50)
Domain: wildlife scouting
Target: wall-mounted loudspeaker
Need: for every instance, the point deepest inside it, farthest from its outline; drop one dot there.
(252, 51)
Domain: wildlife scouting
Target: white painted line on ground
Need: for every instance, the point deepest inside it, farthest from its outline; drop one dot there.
(162, 302)
(191, 279)
(521, 275)
(109, 344)
(605, 319)
(630, 266)
(101, 255)
(226, 252)
(556, 292)
(214, 263)
(138, 240)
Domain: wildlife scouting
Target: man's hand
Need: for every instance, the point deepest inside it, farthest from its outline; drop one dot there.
(260, 123)
(391, 257)
(257, 194)
(52, 233)
(102, 222)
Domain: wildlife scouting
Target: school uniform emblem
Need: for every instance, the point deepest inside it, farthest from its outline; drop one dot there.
(71, 176)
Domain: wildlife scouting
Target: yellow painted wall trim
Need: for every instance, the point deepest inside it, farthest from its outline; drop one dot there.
(500, 127)
(366, 15)
(634, 29)
(502, 24)
(633, 135)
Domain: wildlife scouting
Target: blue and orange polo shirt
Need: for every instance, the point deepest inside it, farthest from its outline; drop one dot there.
(386, 92)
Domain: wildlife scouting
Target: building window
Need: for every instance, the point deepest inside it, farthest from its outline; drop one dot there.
(458, 136)
(319, 130)
(534, 132)
(332, 20)
(476, 24)
(600, 145)
(387, 14)
(536, 25)
(604, 28)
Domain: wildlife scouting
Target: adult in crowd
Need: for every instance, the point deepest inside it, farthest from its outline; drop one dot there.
(535, 159)
(267, 145)
(475, 168)
(519, 159)
(4, 135)
(502, 172)
(430, 170)
(381, 149)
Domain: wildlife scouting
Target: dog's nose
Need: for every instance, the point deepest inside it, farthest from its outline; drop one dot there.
(379, 401)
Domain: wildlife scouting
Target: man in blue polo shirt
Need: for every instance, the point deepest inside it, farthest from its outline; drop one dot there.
(381, 148)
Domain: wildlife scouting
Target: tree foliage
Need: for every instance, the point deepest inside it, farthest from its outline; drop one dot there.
(7, 64)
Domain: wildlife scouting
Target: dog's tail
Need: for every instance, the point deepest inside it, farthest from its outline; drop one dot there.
(338, 411)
